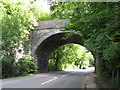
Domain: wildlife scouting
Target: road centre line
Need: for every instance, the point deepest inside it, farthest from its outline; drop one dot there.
(54, 78)
(65, 75)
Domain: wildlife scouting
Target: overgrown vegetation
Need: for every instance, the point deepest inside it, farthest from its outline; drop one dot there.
(98, 24)
(17, 19)
(26, 65)
(70, 56)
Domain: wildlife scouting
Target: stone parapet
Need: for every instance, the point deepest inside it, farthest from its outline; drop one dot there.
(51, 24)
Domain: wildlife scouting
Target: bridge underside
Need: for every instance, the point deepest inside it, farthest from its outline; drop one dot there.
(50, 44)
(46, 37)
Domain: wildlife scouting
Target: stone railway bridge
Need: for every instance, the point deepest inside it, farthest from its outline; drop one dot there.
(46, 37)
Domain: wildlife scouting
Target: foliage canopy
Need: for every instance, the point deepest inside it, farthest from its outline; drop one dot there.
(98, 24)
(70, 56)
(99, 27)
(17, 20)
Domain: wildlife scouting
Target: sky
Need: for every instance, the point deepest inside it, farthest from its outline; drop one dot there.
(43, 3)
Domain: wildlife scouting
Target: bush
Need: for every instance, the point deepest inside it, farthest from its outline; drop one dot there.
(8, 67)
(44, 16)
(26, 65)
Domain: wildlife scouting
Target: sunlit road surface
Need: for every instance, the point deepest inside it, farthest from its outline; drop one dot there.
(64, 79)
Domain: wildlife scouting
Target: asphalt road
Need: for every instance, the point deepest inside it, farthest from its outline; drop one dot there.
(64, 79)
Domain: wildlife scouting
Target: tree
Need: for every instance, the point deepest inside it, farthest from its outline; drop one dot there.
(98, 24)
(68, 56)
(17, 19)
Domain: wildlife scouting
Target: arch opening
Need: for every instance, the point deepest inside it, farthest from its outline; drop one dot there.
(50, 44)
(70, 57)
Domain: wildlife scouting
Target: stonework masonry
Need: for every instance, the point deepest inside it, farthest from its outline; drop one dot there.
(46, 37)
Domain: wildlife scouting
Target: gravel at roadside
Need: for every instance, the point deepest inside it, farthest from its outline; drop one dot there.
(90, 81)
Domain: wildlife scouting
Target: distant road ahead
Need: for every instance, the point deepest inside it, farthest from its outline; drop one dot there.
(64, 79)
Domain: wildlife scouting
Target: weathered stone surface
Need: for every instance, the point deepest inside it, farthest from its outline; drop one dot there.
(51, 24)
(47, 37)
(39, 36)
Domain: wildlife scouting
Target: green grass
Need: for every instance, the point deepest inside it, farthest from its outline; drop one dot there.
(19, 76)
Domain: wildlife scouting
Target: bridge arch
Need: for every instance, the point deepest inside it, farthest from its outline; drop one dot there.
(49, 44)
(46, 37)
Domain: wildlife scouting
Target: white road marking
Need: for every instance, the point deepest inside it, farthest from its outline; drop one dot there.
(54, 78)
(65, 75)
